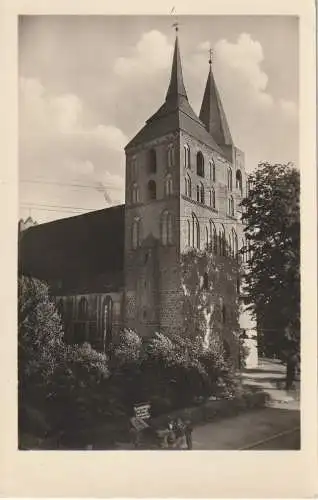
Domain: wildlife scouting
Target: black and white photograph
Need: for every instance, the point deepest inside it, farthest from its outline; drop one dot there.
(159, 233)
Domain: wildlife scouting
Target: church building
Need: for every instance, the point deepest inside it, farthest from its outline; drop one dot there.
(121, 267)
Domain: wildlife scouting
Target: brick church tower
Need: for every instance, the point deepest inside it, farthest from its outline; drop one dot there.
(184, 181)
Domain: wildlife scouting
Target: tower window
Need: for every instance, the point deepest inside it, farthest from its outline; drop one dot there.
(168, 185)
(152, 190)
(214, 239)
(235, 244)
(195, 232)
(170, 155)
(188, 233)
(166, 228)
(135, 233)
(152, 161)
(187, 185)
(212, 170)
(222, 242)
(135, 193)
(202, 200)
(200, 164)
(239, 184)
(229, 179)
(186, 152)
(207, 239)
(212, 198)
(231, 206)
(198, 194)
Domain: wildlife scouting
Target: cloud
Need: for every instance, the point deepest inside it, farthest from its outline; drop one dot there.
(151, 54)
(262, 125)
(78, 127)
(57, 142)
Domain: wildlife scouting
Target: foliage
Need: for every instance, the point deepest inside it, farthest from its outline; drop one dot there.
(170, 372)
(210, 302)
(271, 215)
(62, 388)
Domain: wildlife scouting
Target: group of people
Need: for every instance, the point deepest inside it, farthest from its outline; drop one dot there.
(178, 432)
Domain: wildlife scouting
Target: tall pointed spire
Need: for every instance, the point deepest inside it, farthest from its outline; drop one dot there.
(176, 86)
(212, 113)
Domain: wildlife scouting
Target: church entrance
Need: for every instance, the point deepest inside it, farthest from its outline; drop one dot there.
(107, 323)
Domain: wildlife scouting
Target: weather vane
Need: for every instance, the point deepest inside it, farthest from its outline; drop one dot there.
(176, 23)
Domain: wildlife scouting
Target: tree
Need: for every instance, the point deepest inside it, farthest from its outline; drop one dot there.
(63, 389)
(271, 216)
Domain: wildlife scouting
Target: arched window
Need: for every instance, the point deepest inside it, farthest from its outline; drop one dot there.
(135, 233)
(198, 193)
(107, 322)
(213, 171)
(207, 238)
(170, 153)
(214, 238)
(152, 158)
(212, 198)
(202, 200)
(60, 308)
(166, 228)
(230, 246)
(152, 190)
(188, 188)
(195, 232)
(222, 241)
(168, 185)
(231, 206)
(189, 239)
(186, 152)
(229, 179)
(135, 193)
(239, 184)
(200, 164)
(235, 244)
(82, 309)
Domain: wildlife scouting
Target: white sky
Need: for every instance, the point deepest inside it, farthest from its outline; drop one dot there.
(87, 85)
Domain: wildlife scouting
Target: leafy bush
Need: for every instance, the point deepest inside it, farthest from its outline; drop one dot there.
(63, 387)
(170, 372)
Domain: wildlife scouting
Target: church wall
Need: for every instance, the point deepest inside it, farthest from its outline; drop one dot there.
(151, 270)
(90, 326)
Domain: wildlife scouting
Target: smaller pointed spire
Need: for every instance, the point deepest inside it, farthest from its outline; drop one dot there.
(212, 113)
(176, 86)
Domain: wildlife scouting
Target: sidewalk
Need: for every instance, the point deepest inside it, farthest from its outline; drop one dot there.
(281, 417)
(270, 377)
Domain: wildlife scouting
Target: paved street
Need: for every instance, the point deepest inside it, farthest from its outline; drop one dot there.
(272, 428)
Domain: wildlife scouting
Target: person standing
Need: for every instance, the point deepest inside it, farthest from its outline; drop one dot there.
(188, 435)
(292, 362)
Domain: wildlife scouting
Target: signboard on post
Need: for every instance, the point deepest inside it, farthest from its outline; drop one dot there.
(142, 411)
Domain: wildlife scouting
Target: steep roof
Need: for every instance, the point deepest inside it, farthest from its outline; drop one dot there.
(91, 244)
(176, 112)
(212, 113)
